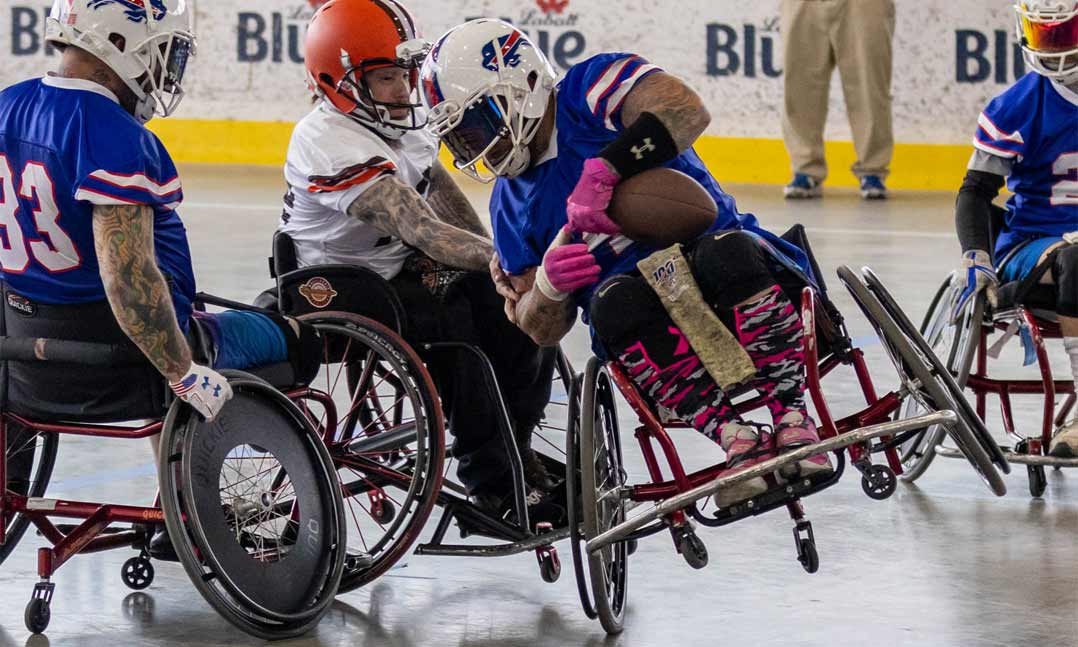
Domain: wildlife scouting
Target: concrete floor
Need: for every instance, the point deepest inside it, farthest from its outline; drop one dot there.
(942, 563)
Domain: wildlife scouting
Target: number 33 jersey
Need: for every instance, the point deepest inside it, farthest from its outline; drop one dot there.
(1033, 126)
(66, 146)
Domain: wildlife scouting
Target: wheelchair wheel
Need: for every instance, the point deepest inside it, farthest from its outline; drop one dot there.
(955, 345)
(961, 358)
(602, 507)
(375, 405)
(572, 488)
(31, 455)
(925, 381)
(253, 510)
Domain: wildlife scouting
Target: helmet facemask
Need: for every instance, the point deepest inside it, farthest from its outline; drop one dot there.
(379, 114)
(164, 59)
(1049, 38)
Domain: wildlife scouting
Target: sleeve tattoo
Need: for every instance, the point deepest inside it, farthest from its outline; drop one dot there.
(450, 203)
(135, 287)
(675, 104)
(544, 320)
(397, 209)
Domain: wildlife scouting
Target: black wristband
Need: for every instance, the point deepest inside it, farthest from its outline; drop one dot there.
(644, 145)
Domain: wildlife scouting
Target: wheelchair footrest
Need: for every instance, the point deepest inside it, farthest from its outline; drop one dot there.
(776, 497)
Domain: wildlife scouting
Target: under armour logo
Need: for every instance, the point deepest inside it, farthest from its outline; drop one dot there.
(640, 151)
(206, 382)
(217, 391)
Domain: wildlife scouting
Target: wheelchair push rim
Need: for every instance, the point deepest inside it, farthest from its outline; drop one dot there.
(915, 370)
(385, 432)
(250, 507)
(602, 506)
(31, 456)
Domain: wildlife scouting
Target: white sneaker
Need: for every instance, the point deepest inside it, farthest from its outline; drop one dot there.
(1065, 442)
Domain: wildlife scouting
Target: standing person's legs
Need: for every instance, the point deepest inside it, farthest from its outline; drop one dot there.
(864, 51)
(809, 62)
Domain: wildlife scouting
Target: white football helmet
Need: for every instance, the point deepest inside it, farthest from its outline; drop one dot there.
(157, 37)
(486, 87)
(1048, 33)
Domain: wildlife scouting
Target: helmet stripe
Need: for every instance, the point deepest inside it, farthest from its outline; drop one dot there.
(398, 17)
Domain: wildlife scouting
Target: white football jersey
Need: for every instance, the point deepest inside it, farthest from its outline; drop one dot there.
(331, 161)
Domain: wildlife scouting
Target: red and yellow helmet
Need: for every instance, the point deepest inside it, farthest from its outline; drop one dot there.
(1048, 33)
(347, 39)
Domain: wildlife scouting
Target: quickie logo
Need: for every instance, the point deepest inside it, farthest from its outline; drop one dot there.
(510, 51)
(135, 10)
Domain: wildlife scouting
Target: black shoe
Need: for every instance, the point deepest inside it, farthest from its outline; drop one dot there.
(161, 546)
(542, 507)
(535, 471)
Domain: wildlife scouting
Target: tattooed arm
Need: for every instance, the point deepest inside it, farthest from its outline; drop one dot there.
(397, 209)
(136, 290)
(676, 105)
(450, 203)
(544, 320)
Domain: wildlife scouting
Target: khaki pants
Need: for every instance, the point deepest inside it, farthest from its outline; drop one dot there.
(855, 35)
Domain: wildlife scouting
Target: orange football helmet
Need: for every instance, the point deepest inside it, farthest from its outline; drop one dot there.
(348, 38)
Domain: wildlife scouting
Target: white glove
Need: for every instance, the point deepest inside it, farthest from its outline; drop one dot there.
(973, 275)
(204, 389)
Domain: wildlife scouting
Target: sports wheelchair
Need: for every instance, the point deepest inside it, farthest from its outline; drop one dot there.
(249, 500)
(1025, 311)
(612, 514)
(397, 467)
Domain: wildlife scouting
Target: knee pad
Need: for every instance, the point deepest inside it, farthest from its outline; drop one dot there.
(304, 347)
(729, 267)
(1065, 274)
(621, 306)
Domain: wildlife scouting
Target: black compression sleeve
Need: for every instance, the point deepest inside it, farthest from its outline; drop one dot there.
(973, 209)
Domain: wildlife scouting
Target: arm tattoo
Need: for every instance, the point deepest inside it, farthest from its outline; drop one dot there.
(397, 209)
(450, 203)
(544, 320)
(135, 287)
(675, 104)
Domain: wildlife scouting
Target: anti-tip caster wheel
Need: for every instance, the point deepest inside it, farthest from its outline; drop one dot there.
(1038, 480)
(693, 550)
(879, 482)
(383, 512)
(37, 615)
(137, 573)
(807, 555)
(550, 567)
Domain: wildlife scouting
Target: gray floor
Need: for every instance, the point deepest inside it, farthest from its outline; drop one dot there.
(941, 563)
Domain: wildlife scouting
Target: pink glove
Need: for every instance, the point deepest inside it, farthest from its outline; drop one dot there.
(566, 268)
(589, 200)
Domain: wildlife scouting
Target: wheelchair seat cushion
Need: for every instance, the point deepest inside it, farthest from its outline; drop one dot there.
(55, 391)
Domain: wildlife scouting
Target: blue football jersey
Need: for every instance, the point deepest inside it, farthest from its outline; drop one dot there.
(66, 145)
(528, 211)
(1034, 123)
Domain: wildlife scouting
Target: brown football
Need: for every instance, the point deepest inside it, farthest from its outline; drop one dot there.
(661, 207)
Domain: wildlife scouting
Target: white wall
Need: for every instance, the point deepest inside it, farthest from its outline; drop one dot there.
(247, 67)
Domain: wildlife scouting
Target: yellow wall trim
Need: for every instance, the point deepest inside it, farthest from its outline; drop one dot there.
(733, 160)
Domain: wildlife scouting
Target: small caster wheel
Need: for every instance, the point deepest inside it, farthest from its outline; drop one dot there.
(879, 482)
(693, 550)
(1038, 481)
(37, 615)
(383, 512)
(550, 567)
(807, 555)
(137, 573)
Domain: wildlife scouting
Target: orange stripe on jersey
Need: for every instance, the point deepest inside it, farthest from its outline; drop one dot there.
(351, 176)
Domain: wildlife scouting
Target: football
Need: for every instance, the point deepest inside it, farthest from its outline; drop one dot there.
(661, 207)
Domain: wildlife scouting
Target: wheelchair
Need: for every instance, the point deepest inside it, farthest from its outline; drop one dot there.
(965, 348)
(613, 514)
(249, 500)
(413, 448)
